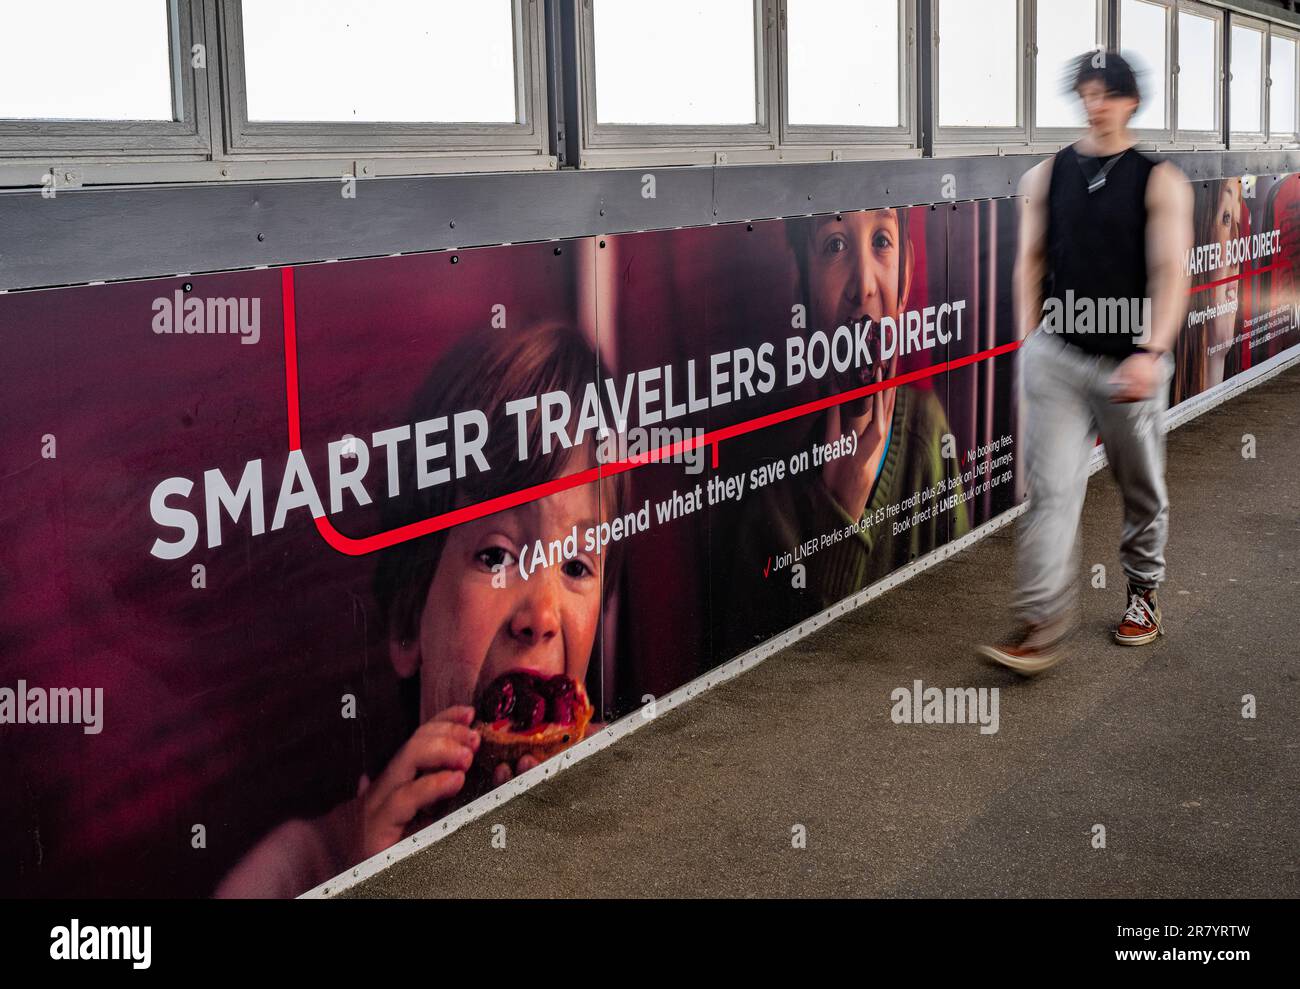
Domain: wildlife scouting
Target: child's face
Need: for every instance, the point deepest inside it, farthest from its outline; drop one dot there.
(1227, 218)
(853, 269)
(472, 631)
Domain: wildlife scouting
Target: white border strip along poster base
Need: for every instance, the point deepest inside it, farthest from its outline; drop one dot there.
(1178, 416)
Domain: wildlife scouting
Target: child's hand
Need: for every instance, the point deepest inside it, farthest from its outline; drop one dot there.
(429, 768)
(850, 479)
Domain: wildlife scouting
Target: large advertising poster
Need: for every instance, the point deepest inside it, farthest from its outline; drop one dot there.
(1242, 306)
(298, 561)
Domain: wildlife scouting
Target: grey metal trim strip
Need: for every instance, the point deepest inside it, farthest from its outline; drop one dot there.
(115, 233)
(1268, 9)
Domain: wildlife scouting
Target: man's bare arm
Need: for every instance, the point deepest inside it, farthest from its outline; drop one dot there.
(1031, 252)
(1169, 238)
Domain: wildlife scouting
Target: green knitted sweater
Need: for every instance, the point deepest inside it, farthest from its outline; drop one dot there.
(763, 597)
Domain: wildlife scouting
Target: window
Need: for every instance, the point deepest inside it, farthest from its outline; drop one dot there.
(861, 85)
(710, 46)
(194, 90)
(1282, 124)
(1198, 79)
(1145, 41)
(846, 72)
(1246, 90)
(1063, 30)
(94, 62)
(97, 77)
(1175, 49)
(979, 64)
(405, 61)
(687, 75)
(365, 76)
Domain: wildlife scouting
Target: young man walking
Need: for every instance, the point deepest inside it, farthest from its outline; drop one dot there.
(1100, 295)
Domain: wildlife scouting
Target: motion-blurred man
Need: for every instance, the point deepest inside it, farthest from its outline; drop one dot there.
(1100, 292)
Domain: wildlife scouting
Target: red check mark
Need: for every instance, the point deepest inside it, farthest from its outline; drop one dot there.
(768, 569)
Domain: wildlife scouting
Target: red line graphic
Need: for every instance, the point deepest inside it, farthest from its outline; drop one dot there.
(290, 358)
(359, 546)
(1236, 278)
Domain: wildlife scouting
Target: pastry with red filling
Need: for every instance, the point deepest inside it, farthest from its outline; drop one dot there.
(524, 713)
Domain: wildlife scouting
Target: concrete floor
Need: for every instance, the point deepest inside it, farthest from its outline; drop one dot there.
(1151, 743)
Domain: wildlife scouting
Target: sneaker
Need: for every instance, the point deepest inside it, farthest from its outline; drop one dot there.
(1141, 623)
(1031, 650)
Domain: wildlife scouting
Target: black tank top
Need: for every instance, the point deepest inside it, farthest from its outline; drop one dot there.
(1096, 247)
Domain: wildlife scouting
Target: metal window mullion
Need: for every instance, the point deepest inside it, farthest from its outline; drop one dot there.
(1295, 87)
(522, 57)
(213, 93)
(1024, 85)
(1027, 25)
(1175, 73)
(906, 66)
(782, 71)
(562, 96)
(766, 82)
(1170, 64)
(925, 100)
(1220, 70)
(1266, 79)
(234, 85)
(1226, 79)
(175, 47)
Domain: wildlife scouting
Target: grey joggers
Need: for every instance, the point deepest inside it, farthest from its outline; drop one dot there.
(1065, 395)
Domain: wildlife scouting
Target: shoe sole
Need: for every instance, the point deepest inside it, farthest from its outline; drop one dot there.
(1025, 667)
(1138, 640)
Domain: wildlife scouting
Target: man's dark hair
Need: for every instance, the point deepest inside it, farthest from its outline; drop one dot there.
(1108, 67)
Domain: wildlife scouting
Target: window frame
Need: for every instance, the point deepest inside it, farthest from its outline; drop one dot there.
(1057, 135)
(638, 142)
(826, 135)
(1292, 137)
(528, 135)
(1199, 138)
(1240, 138)
(958, 139)
(1162, 136)
(189, 134)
